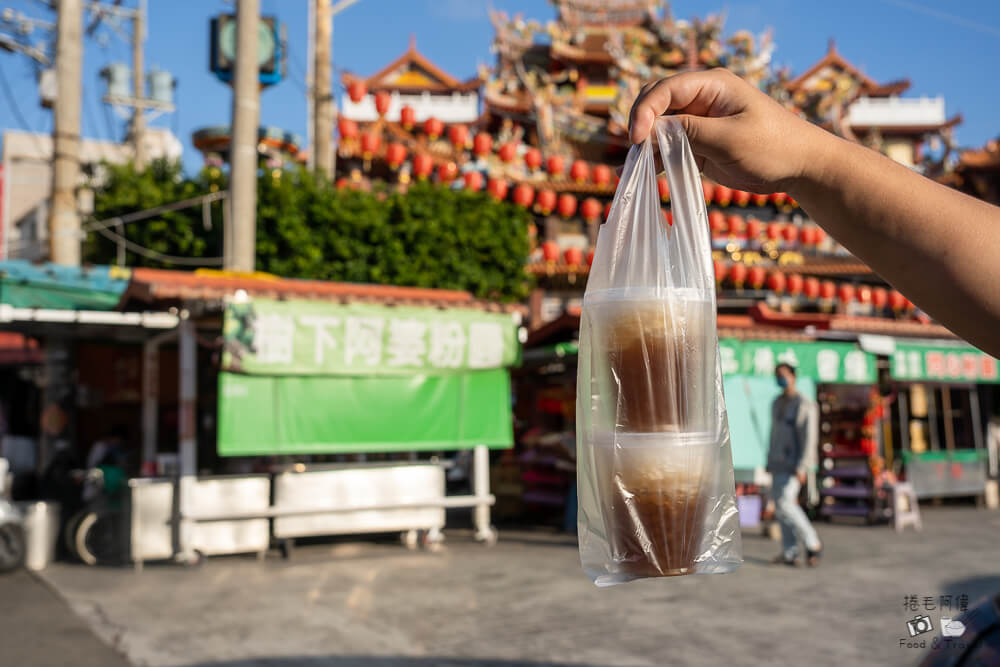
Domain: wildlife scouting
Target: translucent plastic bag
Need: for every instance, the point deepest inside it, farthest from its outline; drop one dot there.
(654, 466)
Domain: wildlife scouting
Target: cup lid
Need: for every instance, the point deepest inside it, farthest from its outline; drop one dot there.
(626, 440)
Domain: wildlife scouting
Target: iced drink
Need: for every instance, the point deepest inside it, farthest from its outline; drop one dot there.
(653, 488)
(649, 359)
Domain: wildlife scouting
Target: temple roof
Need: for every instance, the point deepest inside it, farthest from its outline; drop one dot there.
(834, 60)
(605, 12)
(412, 72)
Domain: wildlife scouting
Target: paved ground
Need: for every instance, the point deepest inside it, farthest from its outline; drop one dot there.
(526, 602)
(38, 629)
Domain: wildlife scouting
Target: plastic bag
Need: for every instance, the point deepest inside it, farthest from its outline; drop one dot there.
(654, 466)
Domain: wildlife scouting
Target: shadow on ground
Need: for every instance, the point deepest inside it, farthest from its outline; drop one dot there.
(374, 661)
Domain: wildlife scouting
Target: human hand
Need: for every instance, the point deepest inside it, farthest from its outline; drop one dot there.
(801, 476)
(740, 136)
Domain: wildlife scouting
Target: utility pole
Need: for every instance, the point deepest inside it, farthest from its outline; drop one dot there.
(322, 93)
(322, 89)
(64, 219)
(138, 87)
(243, 150)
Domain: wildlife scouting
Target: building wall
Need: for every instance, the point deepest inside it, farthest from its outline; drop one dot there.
(900, 150)
(449, 108)
(27, 175)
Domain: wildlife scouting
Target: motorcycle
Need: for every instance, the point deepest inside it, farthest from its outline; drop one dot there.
(13, 545)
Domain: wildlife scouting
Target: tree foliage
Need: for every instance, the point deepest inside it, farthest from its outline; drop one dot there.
(430, 236)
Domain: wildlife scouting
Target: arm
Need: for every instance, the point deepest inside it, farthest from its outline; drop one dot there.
(936, 245)
(808, 434)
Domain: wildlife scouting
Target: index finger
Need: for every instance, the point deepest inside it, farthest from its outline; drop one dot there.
(698, 93)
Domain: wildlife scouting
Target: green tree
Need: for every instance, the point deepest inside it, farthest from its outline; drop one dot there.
(429, 237)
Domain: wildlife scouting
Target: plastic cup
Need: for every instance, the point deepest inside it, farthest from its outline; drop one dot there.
(652, 360)
(654, 488)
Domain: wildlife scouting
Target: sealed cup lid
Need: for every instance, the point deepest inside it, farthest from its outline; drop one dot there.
(625, 440)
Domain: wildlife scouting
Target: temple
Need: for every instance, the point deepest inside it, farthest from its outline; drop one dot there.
(545, 127)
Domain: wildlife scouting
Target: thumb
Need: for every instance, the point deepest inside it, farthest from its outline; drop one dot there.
(707, 135)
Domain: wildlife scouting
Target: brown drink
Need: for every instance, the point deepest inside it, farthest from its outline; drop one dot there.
(653, 489)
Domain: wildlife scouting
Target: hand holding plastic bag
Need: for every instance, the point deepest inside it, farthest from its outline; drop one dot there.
(654, 466)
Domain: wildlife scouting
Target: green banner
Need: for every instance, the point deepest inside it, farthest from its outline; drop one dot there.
(929, 363)
(266, 337)
(307, 414)
(824, 362)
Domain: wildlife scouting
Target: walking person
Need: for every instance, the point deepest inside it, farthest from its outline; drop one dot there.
(794, 436)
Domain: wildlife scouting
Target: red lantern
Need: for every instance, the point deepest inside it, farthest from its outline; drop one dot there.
(473, 180)
(348, 128)
(447, 172)
(550, 251)
(356, 90)
(709, 191)
(567, 205)
(807, 235)
(482, 144)
(846, 293)
(820, 235)
(758, 200)
(407, 117)
(664, 188)
(738, 274)
(756, 276)
(555, 165)
(795, 283)
(342, 183)
(741, 197)
(735, 223)
(811, 287)
(776, 282)
(458, 135)
(865, 294)
(573, 256)
(546, 201)
(754, 228)
(896, 300)
(370, 143)
(774, 230)
(507, 152)
(533, 158)
(723, 195)
(590, 209)
(579, 171)
(524, 195)
(395, 154)
(717, 222)
(422, 165)
(601, 174)
(790, 233)
(827, 290)
(607, 211)
(778, 198)
(433, 127)
(880, 297)
(720, 270)
(590, 257)
(792, 202)
(497, 187)
(382, 100)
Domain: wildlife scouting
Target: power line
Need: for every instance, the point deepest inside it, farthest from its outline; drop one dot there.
(149, 253)
(12, 101)
(945, 16)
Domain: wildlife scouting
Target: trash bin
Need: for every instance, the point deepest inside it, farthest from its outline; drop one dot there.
(41, 528)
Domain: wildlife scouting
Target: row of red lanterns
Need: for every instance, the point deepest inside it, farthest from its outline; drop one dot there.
(757, 277)
(574, 257)
(751, 228)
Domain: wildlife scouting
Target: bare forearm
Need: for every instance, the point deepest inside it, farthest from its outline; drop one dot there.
(934, 244)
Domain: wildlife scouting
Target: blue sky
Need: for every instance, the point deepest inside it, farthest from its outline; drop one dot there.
(945, 49)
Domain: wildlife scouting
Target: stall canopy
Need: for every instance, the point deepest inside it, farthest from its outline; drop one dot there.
(305, 377)
(53, 287)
